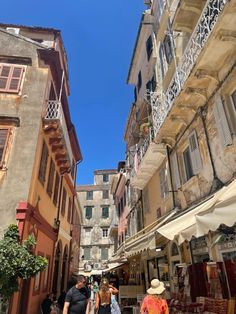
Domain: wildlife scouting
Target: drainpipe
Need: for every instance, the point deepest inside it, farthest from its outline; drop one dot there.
(171, 177)
(216, 183)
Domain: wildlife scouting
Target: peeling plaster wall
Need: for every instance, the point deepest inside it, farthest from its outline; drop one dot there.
(94, 238)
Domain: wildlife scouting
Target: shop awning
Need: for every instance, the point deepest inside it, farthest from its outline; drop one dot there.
(219, 209)
(112, 266)
(146, 240)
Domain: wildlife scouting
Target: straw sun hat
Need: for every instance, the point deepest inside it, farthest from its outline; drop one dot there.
(157, 287)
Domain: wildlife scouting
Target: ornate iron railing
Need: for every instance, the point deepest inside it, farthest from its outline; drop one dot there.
(162, 105)
(54, 111)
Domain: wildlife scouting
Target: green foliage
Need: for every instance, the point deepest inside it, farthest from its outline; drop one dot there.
(17, 261)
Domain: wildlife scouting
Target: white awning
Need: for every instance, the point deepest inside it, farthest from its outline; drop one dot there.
(112, 266)
(219, 209)
(146, 240)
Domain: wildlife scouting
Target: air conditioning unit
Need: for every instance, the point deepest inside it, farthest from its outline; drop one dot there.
(96, 265)
(13, 30)
(87, 267)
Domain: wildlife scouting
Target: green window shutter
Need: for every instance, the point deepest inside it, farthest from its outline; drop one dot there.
(88, 212)
(105, 212)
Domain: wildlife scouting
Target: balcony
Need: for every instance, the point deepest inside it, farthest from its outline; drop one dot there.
(161, 106)
(54, 126)
(148, 156)
(186, 14)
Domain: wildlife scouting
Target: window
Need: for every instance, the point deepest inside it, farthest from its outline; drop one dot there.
(43, 163)
(105, 233)
(195, 153)
(163, 61)
(105, 212)
(69, 211)
(10, 78)
(222, 122)
(4, 133)
(139, 81)
(89, 195)
(187, 164)
(56, 189)
(105, 177)
(50, 178)
(175, 171)
(105, 194)
(104, 253)
(168, 47)
(63, 202)
(164, 182)
(88, 212)
(149, 47)
(87, 254)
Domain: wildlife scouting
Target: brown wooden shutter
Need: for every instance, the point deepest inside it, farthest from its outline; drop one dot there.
(15, 78)
(69, 211)
(43, 164)
(10, 77)
(63, 203)
(51, 178)
(3, 143)
(56, 189)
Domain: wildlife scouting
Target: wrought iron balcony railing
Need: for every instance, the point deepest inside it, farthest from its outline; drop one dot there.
(162, 105)
(54, 113)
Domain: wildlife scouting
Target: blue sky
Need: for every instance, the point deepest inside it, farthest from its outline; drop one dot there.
(99, 38)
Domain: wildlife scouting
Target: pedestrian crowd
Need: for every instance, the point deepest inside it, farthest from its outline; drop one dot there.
(82, 297)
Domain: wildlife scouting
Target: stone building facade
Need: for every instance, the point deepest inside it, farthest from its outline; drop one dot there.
(99, 213)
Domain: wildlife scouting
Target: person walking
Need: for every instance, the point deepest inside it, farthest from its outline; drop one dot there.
(46, 304)
(77, 300)
(103, 298)
(115, 309)
(154, 303)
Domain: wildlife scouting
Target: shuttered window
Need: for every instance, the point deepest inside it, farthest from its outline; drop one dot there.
(105, 194)
(104, 253)
(164, 183)
(56, 189)
(139, 81)
(69, 212)
(63, 202)
(188, 173)
(89, 195)
(88, 212)
(51, 178)
(175, 171)
(43, 163)
(195, 153)
(105, 212)
(149, 47)
(222, 123)
(87, 254)
(3, 143)
(10, 78)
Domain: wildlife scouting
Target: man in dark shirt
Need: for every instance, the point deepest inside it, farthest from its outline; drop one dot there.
(77, 298)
